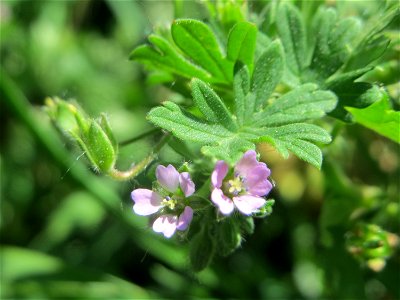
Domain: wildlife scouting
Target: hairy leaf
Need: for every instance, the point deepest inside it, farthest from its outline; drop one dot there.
(355, 94)
(301, 104)
(267, 74)
(229, 149)
(241, 87)
(299, 138)
(185, 126)
(164, 55)
(372, 44)
(220, 137)
(198, 41)
(336, 81)
(242, 43)
(212, 107)
(380, 118)
(333, 41)
(292, 31)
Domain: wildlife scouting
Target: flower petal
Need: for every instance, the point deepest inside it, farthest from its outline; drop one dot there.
(185, 218)
(247, 164)
(256, 182)
(248, 204)
(224, 204)
(146, 201)
(219, 173)
(168, 177)
(186, 184)
(165, 224)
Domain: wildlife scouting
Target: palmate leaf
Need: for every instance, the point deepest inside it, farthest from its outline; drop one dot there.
(230, 148)
(372, 44)
(251, 96)
(354, 94)
(267, 73)
(224, 137)
(198, 42)
(380, 118)
(333, 42)
(163, 55)
(334, 45)
(195, 52)
(212, 107)
(299, 138)
(337, 52)
(301, 104)
(241, 88)
(186, 126)
(292, 32)
(242, 43)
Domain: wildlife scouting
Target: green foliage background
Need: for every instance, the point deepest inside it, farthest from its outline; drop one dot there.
(67, 232)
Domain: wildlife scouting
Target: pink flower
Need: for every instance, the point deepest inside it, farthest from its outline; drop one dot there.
(169, 200)
(244, 188)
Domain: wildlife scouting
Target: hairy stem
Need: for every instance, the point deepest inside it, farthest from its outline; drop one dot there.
(137, 168)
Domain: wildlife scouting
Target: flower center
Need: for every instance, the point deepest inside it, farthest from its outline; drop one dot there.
(169, 202)
(235, 185)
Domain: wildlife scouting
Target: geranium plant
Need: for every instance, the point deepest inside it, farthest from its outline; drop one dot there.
(283, 78)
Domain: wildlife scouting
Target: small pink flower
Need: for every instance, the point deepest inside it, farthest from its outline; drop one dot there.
(175, 215)
(244, 189)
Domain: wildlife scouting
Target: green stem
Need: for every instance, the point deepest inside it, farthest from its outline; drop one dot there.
(136, 169)
(133, 171)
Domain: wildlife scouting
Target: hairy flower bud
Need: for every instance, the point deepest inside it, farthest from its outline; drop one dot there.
(93, 136)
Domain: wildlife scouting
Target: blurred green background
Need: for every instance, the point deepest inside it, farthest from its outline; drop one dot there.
(67, 232)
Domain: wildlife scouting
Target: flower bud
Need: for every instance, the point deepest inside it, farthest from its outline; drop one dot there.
(93, 136)
(371, 245)
(99, 148)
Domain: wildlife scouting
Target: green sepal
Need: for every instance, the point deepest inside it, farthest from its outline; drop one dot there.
(100, 148)
(105, 125)
(62, 113)
(95, 138)
(266, 210)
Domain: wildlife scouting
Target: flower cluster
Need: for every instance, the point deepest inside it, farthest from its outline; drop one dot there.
(242, 187)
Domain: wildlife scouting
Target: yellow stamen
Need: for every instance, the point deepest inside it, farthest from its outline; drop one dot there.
(170, 203)
(235, 186)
